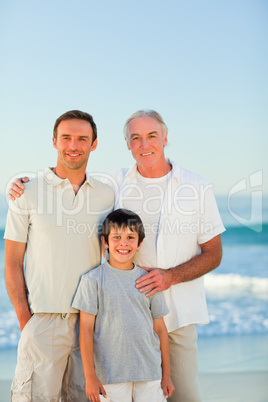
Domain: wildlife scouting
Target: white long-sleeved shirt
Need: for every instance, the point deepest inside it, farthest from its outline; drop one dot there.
(188, 217)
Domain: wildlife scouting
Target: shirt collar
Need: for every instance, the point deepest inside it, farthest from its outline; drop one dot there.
(53, 180)
(89, 180)
(132, 172)
(175, 170)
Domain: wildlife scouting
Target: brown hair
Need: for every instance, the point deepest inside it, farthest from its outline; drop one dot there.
(76, 114)
(123, 218)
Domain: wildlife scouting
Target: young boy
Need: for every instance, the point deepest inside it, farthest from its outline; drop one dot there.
(123, 338)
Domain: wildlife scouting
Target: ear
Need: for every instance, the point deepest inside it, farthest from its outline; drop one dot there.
(105, 245)
(128, 147)
(54, 143)
(139, 245)
(165, 140)
(94, 145)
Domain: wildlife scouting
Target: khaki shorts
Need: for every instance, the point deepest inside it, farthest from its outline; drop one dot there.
(184, 364)
(49, 365)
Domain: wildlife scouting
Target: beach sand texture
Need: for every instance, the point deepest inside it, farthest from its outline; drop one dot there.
(232, 369)
(224, 387)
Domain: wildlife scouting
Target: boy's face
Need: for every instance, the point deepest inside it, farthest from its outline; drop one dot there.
(122, 244)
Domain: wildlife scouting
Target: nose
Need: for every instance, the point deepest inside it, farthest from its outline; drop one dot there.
(73, 143)
(123, 242)
(144, 142)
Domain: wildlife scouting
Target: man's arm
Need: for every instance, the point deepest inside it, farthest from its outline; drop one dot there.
(166, 383)
(158, 279)
(15, 282)
(17, 188)
(93, 384)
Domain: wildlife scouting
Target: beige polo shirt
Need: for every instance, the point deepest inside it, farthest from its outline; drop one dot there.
(61, 232)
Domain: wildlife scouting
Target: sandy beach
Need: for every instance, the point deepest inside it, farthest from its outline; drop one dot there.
(232, 369)
(231, 387)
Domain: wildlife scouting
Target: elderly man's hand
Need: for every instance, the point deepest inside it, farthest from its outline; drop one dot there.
(155, 281)
(17, 188)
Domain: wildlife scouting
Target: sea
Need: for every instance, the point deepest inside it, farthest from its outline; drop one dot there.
(237, 291)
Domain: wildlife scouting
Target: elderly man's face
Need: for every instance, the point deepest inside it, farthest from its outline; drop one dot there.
(146, 141)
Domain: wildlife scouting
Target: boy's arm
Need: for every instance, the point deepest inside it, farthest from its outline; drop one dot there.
(15, 282)
(93, 384)
(161, 330)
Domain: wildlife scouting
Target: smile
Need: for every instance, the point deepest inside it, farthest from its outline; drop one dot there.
(146, 154)
(73, 155)
(123, 251)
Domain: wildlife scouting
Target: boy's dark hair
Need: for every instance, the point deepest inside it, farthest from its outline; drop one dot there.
(122, 218)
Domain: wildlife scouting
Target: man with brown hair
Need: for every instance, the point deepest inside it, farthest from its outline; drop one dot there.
(55, 225)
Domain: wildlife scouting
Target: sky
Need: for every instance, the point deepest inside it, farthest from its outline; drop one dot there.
(201, 64)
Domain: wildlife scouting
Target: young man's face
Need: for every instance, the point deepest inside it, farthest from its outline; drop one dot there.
(74, 143)
(146, 141)
(122, 244)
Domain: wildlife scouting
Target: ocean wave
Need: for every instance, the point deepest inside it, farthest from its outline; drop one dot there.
(215, 283)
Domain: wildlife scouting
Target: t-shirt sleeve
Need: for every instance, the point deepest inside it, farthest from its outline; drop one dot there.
(18, 221)
(159, 306)
(210, 221)
(86, 296)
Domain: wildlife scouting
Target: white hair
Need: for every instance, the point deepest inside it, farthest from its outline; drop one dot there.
(145, 112)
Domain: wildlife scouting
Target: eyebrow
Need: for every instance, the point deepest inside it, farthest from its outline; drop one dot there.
(69, 135)
(151, 132)
(132, 231)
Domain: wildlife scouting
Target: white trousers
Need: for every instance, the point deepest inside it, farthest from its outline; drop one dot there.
(184, 364)
(144, 391)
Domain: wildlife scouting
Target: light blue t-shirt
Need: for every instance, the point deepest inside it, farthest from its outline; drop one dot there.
(126, 348)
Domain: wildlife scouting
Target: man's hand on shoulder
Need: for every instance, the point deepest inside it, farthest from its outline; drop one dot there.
(155, 281)
(17, 188)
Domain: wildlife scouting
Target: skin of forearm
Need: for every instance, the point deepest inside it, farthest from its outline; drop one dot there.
(198, 266)
(15, 284)
(165, 354)
(161, 331)
(86, 345)
(17, 292)
(158, 279)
